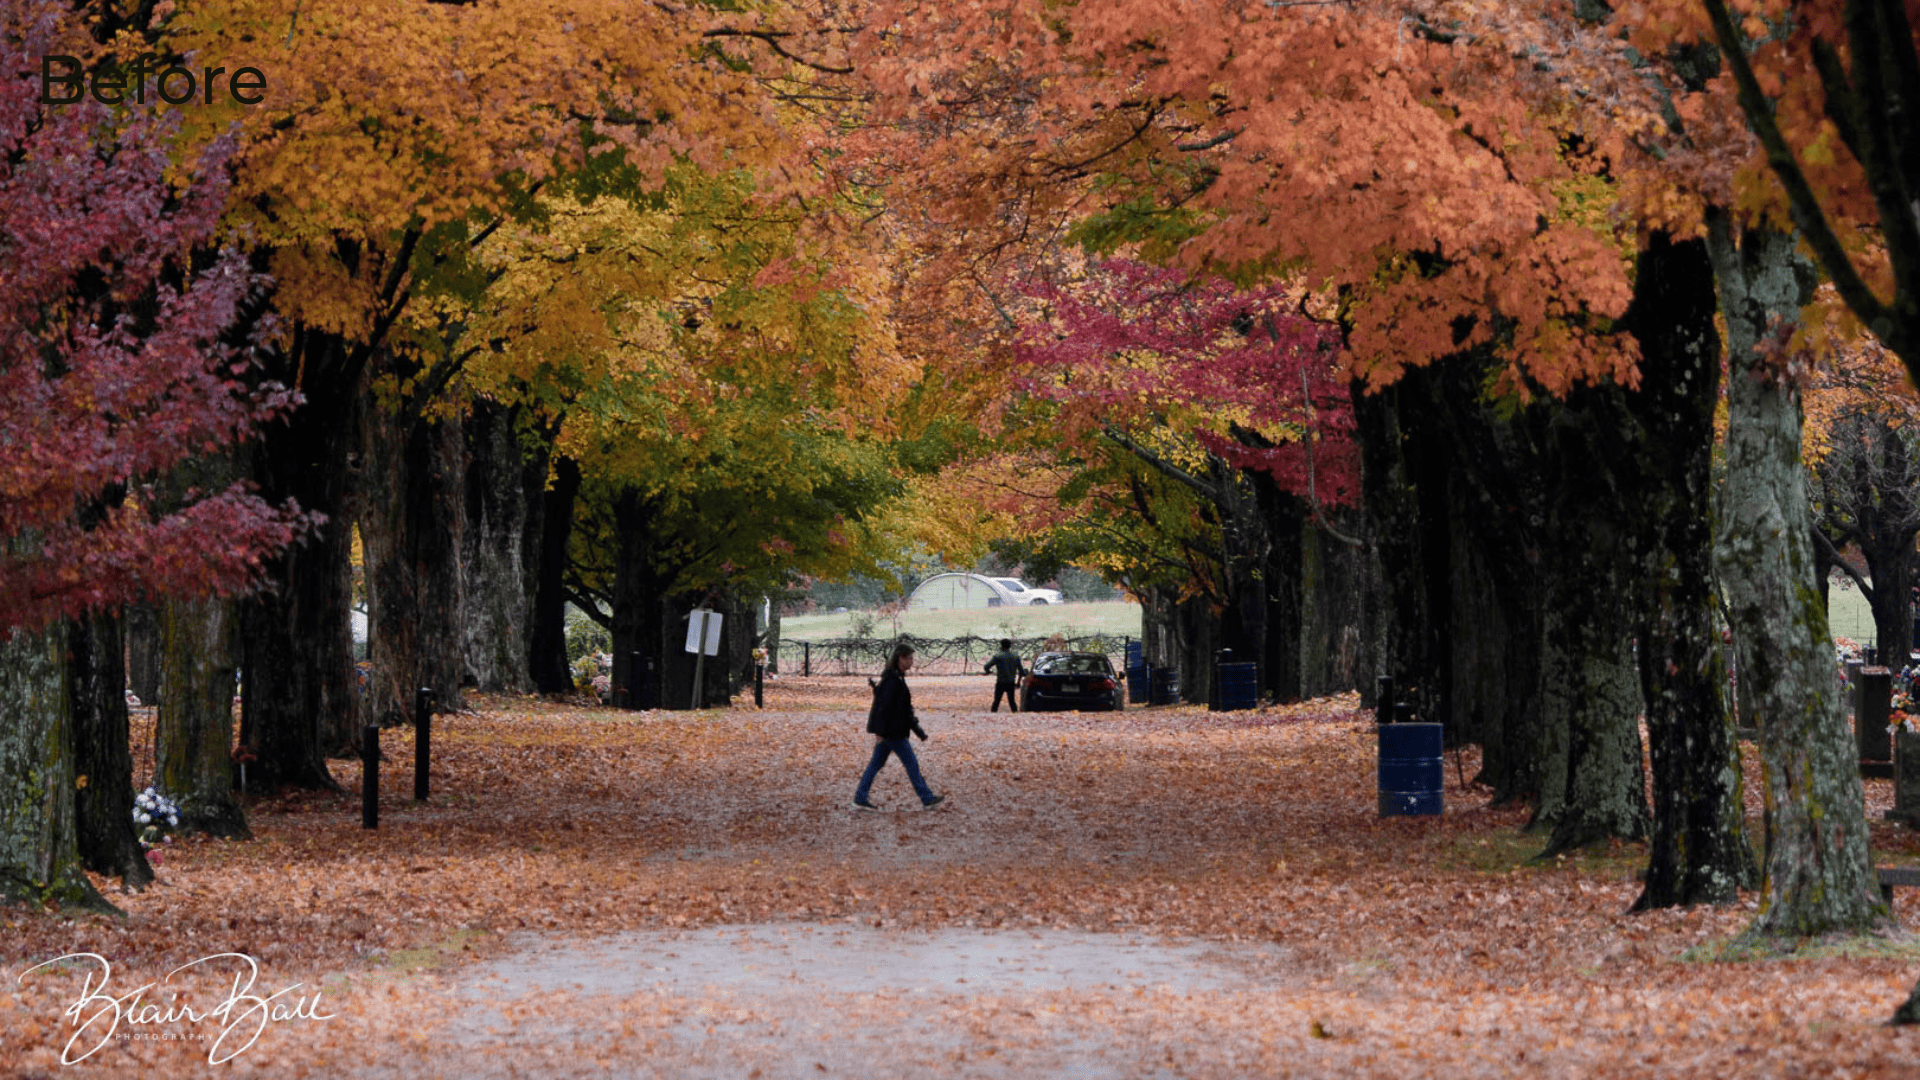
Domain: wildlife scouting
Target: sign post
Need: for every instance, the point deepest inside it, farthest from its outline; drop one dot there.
(703, 640)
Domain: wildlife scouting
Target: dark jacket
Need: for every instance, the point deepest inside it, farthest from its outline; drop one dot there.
(892, 714)
(1010, 667)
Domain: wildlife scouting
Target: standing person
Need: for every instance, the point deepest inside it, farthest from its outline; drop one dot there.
(1007, 680)
(890, 720)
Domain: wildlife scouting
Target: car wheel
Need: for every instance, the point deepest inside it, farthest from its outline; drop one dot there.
(1037, 602)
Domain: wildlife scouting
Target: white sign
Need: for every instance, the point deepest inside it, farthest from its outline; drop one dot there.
(711, 620)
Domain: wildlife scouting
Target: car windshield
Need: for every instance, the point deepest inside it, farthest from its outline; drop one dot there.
(1011, 585)
(1079, 664)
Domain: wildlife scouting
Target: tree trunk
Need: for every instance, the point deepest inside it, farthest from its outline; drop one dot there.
(414, 502)
(636, 609)
(1261, 622)
(1591, 686)
(493, 550)
(1394, 510)
(1698, 851)
(193, 739)
(298, 697)
(547, 643)
(1818, 872)
(39, 850)
(1336, 581)
(1892, 599)
(772, 638)
(1478, 628)
(1499, 569)
(143, 652)
(103, 806)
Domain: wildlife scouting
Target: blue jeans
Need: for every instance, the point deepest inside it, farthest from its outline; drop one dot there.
(903, 749)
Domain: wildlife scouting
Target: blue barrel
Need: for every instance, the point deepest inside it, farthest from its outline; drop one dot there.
(1137, 683)
(1410, 772)
(1239, 687)
(1166, 686)
(1136, 659)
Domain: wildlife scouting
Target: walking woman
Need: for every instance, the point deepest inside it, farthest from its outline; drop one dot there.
(890, 721)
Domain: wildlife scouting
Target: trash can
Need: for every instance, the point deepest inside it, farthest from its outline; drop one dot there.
(1239, 686)
(1166, 686)
(1410, 769)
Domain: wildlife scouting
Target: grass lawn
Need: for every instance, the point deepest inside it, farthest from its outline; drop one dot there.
(1114, 617)
(1847, 612)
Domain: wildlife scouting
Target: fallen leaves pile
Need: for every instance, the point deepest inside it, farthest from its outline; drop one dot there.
(1412, 946)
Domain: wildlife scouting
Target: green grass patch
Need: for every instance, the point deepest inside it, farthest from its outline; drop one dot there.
(1743, 949)
(1848, 615)
(1114, 618)
(1507, 851)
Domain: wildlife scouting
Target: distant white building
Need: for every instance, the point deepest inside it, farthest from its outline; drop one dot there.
(950, 592)
(959, 591)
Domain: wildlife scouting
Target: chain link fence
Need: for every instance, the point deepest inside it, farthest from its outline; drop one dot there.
(932, 656)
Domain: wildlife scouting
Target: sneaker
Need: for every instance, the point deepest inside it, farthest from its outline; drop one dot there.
(933, 802)
(863, 804)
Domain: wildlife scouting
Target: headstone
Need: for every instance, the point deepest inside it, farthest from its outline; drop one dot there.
(1870, 714)
(1906, 779)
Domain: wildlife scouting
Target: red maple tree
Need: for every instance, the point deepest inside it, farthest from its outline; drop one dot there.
(1254, 382)
(115, 363)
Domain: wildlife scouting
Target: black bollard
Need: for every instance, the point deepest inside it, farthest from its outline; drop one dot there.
(370, 776)
(1383, 705)
(759, 681)
(423, 700)
(806, 659)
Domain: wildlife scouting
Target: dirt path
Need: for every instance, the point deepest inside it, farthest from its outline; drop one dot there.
(793, 1000)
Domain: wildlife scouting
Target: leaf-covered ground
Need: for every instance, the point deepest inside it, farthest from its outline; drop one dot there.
(1280, 926)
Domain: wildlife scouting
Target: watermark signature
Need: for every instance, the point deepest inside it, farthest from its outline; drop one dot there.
(242, 1014)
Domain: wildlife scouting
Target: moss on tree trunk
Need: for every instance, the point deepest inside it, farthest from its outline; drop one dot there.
(39, 850)
(193, 761)
(1698, 851)
(1818, 871)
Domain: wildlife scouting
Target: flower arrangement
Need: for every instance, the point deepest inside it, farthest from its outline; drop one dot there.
(153, 815)
(1901, 714)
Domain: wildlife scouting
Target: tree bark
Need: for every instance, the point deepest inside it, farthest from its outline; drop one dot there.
(1818, 872)
(193, 739)
(413, 506)
(1337, 606)
(493, 553)
(39, 846)
(1388, 445)
(636, 609)
(1698, 851)
(1596, 789)
(547, 643)
(298, 697)
(102, 753)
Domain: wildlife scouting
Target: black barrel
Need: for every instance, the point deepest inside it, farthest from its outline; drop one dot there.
(1239, 687)
(1166, 686)
(1410, 772)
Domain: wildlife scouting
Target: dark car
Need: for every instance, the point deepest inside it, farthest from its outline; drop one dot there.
(1071, 681)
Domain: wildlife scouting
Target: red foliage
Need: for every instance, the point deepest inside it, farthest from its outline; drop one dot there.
(1256, 383)
(113, 366)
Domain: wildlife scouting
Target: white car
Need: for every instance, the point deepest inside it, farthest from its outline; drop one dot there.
(1023, 596)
